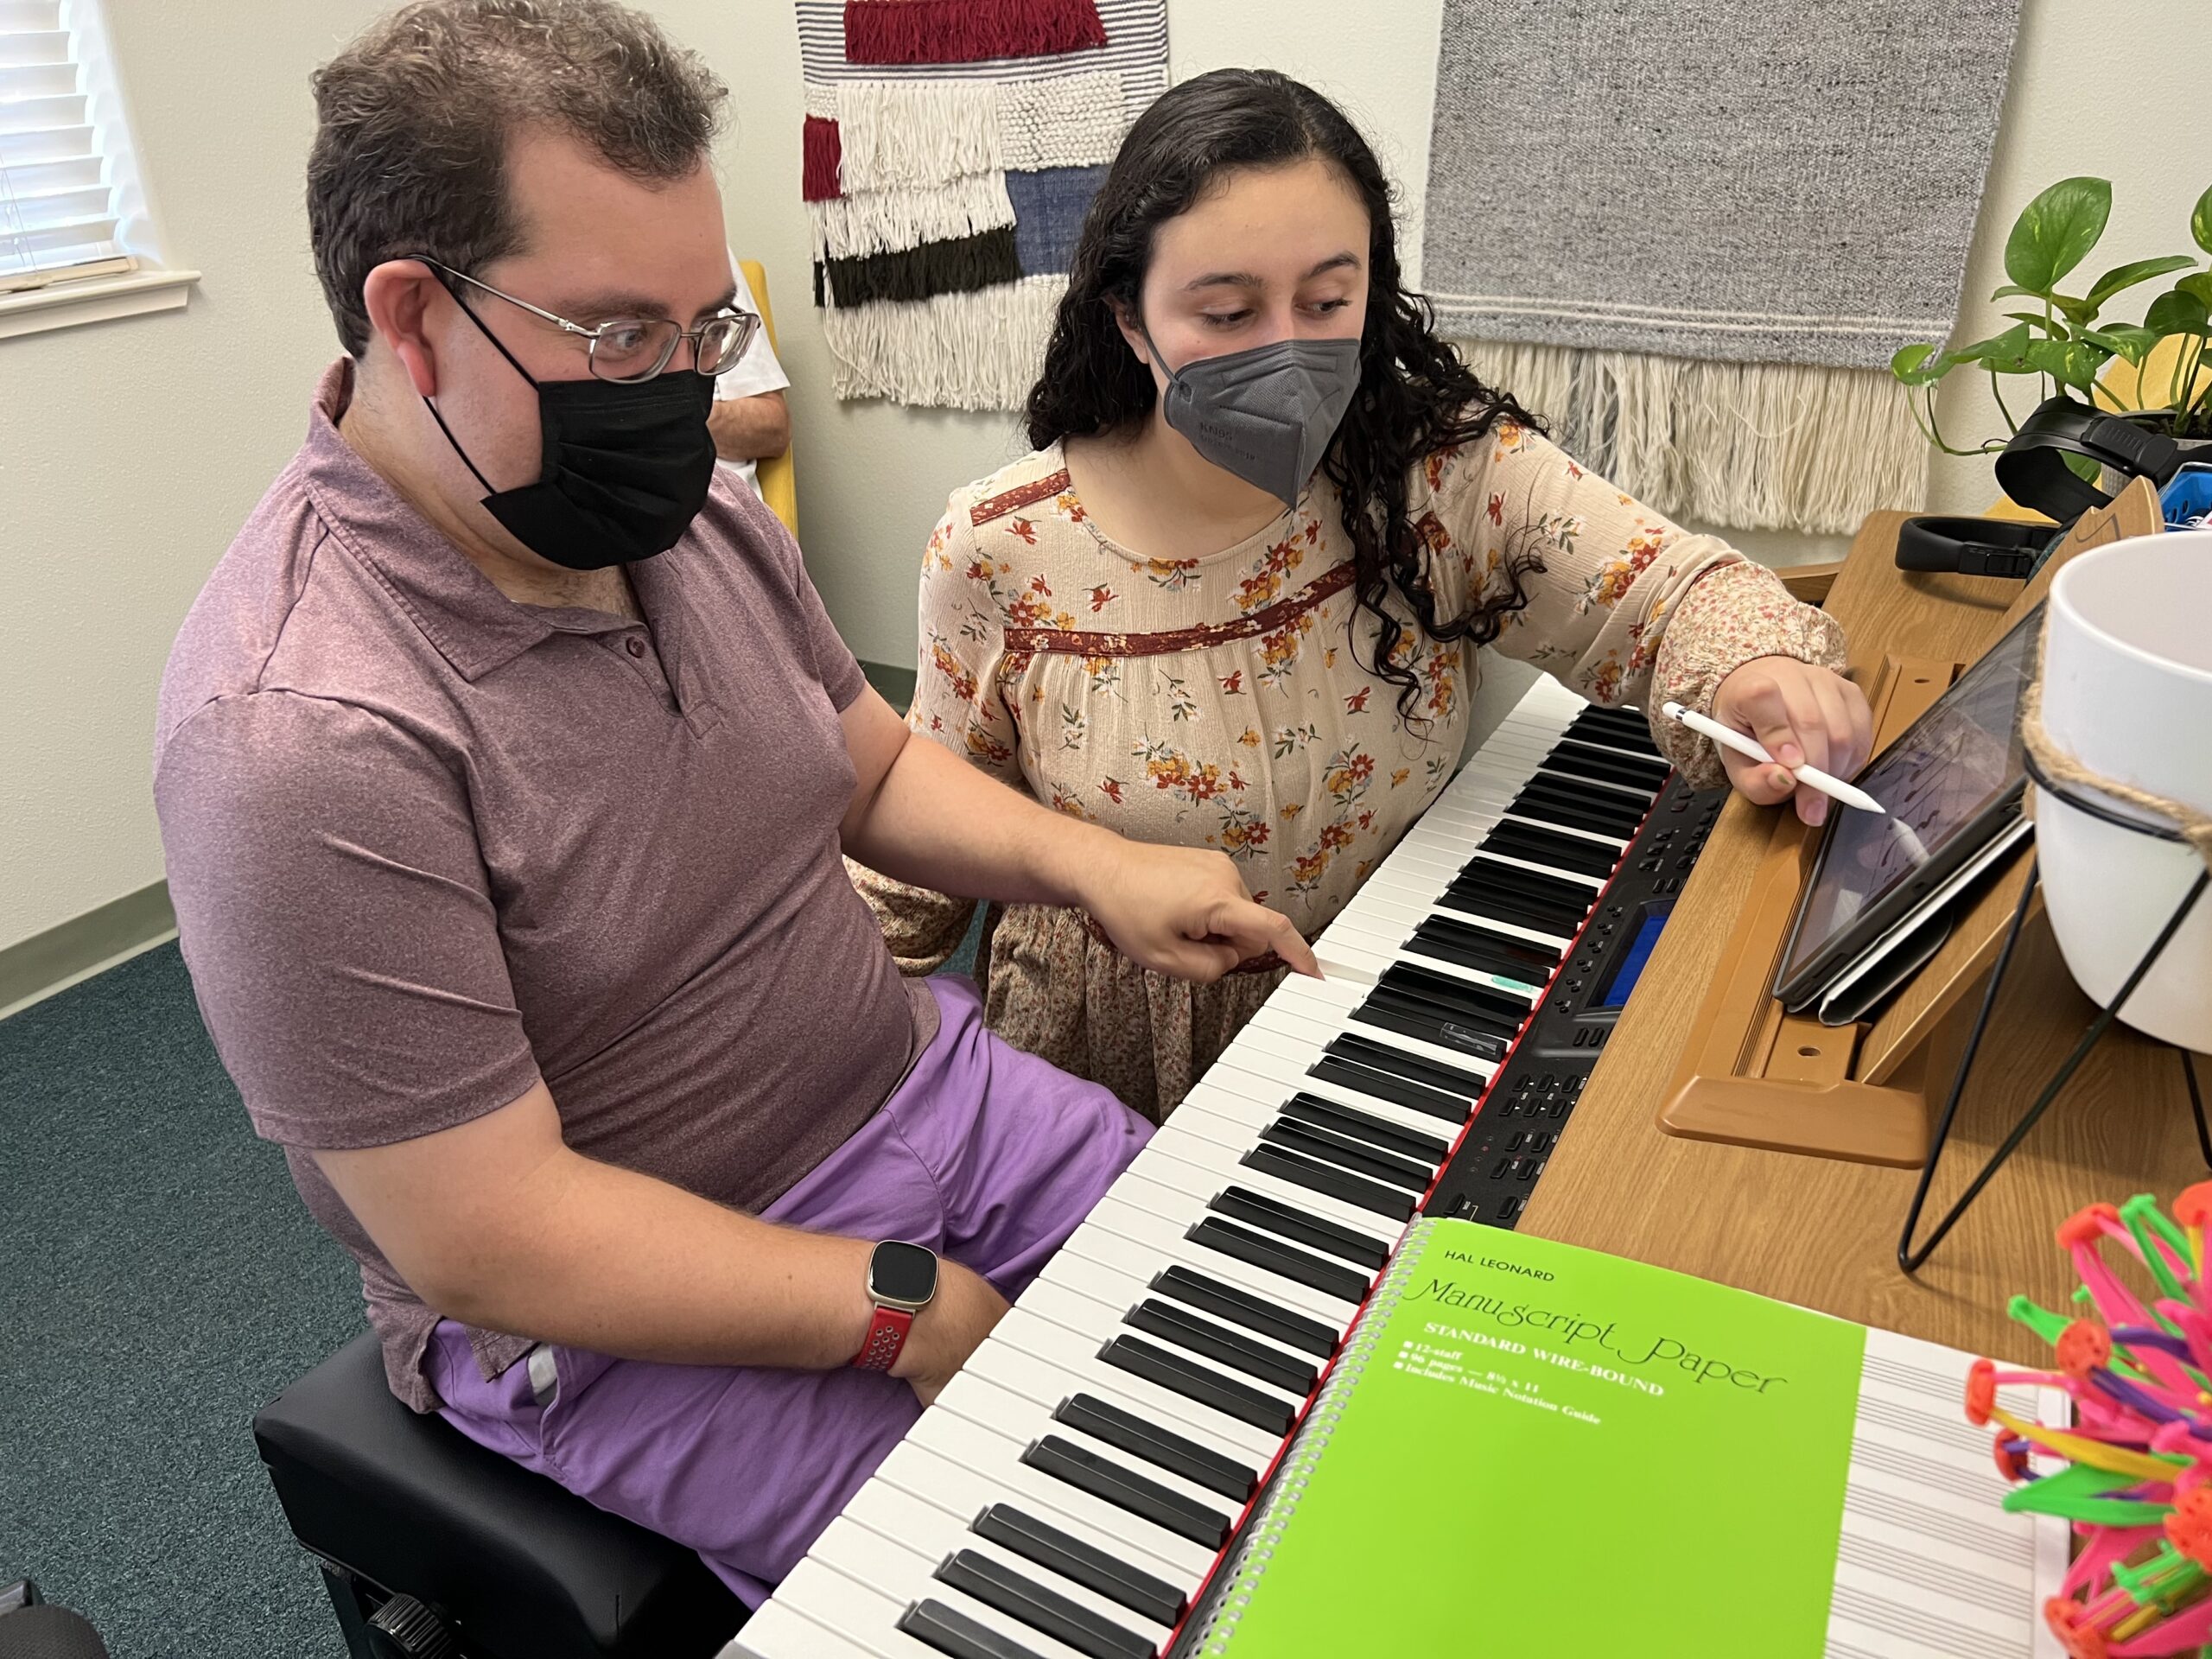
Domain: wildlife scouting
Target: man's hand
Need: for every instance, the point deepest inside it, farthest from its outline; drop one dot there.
(1803, 715)
(1185, 911)
(950, 1329)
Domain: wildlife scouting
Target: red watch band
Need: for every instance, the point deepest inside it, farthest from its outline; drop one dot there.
(887, 1336)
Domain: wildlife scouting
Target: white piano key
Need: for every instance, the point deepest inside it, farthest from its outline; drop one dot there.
(965, 1492)
(1125, 1289)
(1373, 954)
(1125, 1215)
(1537, 821)
(1217, 1129)
(1183, 1210)
(1208, 1169)
(1271, 1093)
(1410, 910)
(1142, 1258)
(852, 1608)
(1225, 1170)
(1302, 1044)
(1515, 862)
(905, 1575)
(1373, 944)
(1576, 769)
(778, 1630)
(1298, 1009)
(999, 1461)
(934, 1534)
(1101, 1322)
(1074, 1356)
(1388, 952)
(1424, 886)
(1021, 1420)
(1048, 1387)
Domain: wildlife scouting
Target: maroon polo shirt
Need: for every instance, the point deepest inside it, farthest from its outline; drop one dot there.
(428, 846)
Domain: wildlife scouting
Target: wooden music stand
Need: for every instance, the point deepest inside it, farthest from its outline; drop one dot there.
(1753, 1075)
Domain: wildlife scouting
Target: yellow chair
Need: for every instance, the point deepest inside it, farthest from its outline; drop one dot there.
(779, 486)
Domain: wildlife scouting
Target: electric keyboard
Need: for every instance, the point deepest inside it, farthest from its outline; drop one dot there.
(1075, 1485)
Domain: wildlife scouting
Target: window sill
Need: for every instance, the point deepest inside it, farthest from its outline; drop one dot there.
(95, 299)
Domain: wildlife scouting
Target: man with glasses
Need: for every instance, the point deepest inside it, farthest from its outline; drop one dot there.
(504, 767)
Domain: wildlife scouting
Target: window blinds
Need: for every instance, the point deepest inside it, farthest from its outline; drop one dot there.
(57, 208)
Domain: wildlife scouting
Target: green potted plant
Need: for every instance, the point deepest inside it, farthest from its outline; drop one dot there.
(2060, 343)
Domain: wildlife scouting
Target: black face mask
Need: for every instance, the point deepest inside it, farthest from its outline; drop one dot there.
(626, 466)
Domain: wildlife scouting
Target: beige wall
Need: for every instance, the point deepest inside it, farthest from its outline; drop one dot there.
(130, 451)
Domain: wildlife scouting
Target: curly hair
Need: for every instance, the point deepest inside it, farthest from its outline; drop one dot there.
(1415, 398)
(413, 120)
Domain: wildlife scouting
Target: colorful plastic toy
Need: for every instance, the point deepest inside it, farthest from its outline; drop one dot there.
(2136, 1480)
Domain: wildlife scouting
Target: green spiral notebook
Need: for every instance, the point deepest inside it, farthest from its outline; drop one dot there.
(1530, 1448)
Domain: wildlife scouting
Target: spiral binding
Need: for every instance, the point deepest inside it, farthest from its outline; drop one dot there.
(1264, 1532)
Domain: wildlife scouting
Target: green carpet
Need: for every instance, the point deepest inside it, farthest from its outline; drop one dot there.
(161, 1280)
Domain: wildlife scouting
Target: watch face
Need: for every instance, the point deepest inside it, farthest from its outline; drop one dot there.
(905, 1274)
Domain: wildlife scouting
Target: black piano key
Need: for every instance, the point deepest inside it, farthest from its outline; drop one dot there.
(1478, 1004)
(1198, 1465)
(1350, 1119)
(1414, 1002)
(1485, 950)
(1198, 1383)
(1331, 1068)
(1103, 1478)
(1384, 1015)
(1261, 1251)
(1301, 1227)
(1441, 947)
(1485, 877)
(1319, 1175)
(1624, 740)
(1381, 1057)
(1619, 728)
(1480, 897)
(1079, 1563)
(1651, 768)
(1625, 801)
(1549, 847)
(996, 1585)
(950, 1630)
(1553, 800)
(1231, 1348)
(1573, 898)
(1203, 1290)
(1347, 1153)
(1607, 766)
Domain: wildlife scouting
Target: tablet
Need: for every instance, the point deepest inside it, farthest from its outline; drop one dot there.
(1889, 961)
(1951, 783)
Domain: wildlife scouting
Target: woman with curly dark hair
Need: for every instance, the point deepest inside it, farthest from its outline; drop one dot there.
(1233, 599)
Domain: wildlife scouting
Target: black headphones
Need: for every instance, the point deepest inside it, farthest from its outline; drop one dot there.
(1972, 547)
(2033, 472)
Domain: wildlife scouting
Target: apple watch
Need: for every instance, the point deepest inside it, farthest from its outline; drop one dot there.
(901, 1280)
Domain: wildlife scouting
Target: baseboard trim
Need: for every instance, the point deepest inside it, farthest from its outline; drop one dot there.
(35, 968)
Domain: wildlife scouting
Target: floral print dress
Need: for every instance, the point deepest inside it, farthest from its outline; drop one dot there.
(1225, 702)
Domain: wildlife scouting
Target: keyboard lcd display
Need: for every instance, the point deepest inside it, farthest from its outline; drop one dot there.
(1630, 968)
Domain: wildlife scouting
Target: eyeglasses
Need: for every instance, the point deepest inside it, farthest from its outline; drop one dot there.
(629, 349)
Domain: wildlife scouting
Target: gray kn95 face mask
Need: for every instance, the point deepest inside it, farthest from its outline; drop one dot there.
(1267, 414)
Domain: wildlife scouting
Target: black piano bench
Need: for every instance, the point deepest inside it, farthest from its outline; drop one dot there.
(432, 1547)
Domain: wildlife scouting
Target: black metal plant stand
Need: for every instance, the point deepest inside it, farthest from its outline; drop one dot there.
(1909, 1258)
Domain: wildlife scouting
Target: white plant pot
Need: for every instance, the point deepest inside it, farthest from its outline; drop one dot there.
(2127, 689)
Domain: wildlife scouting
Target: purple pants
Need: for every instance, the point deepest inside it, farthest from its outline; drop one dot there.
(986, 1154)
